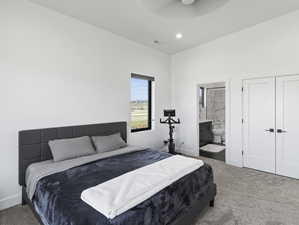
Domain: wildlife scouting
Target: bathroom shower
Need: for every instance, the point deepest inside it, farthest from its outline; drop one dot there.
(211, 100)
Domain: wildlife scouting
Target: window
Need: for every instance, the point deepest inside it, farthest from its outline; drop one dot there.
(141, 102)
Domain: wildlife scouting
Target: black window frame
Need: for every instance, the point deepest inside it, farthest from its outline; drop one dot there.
(150, 80)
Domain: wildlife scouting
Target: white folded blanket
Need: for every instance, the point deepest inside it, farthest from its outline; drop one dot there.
(122, 193)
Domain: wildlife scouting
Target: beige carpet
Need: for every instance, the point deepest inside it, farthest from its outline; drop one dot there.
(245, 197)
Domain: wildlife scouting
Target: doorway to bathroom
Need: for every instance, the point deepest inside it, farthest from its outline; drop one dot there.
(211, 105)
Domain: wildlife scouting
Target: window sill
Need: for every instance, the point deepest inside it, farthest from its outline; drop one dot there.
(140, 130)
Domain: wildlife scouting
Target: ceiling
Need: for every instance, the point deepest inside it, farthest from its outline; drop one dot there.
(144, 22)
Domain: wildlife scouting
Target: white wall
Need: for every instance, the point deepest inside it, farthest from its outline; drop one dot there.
(57, 71)
(264, 50)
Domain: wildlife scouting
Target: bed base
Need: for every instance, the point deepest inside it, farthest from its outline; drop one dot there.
(26, 201)
(189, 217)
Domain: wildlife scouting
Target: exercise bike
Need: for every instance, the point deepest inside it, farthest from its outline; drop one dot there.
(170, 113)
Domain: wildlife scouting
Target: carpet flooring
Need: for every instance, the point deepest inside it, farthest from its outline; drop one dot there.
(245, 197)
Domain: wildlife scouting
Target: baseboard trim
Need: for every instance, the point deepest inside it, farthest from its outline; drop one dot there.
(234, 163)
(191, 152)
(10, 201)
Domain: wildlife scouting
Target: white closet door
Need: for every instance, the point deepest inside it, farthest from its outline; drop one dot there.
(259, 118)
(287, 104)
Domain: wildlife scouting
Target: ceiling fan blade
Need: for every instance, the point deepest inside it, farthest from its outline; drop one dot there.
(177, 9)
(205, 6)
(157, 5)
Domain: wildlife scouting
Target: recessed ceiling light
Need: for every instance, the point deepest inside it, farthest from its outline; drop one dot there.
(179, 36)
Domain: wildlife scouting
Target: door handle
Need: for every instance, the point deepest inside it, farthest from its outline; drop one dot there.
(281, 131)
(271, 130)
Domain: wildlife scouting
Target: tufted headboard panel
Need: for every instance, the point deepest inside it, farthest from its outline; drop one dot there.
(33, 144)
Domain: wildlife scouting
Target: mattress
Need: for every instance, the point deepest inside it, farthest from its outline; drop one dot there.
(57, 196)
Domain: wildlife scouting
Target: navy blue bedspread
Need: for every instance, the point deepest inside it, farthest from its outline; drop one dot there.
(57, 197)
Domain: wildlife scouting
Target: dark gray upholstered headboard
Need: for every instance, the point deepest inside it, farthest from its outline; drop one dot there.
(33, 144)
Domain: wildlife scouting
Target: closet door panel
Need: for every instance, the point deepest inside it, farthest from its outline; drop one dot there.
(259, 118)
(287, 114)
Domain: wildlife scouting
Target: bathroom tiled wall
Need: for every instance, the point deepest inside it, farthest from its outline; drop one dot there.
(215, 105)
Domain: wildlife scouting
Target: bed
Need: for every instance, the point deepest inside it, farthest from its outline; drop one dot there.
(56, 199)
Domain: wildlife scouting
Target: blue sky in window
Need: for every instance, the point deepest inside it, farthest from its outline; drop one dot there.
(139, 89)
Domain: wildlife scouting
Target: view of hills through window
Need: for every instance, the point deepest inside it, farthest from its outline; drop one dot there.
(139, 103)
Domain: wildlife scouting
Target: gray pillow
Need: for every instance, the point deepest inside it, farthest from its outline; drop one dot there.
(108, 143)
(71, 148)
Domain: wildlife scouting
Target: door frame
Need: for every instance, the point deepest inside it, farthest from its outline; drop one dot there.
(242, 105)
(227, 115)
